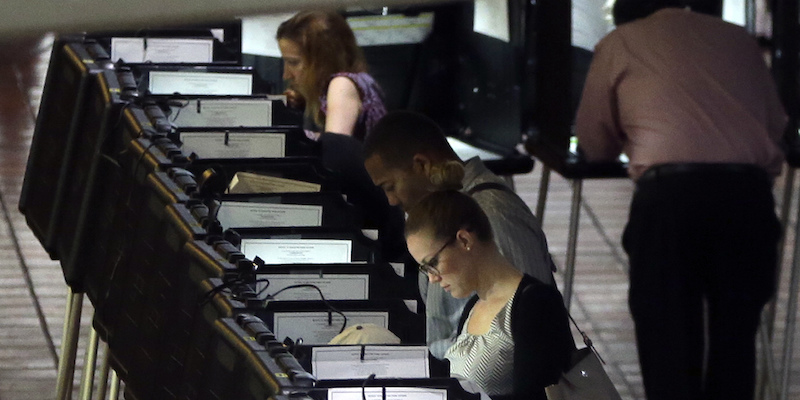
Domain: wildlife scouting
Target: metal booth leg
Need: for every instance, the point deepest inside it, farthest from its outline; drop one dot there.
(541, 200)
(113, 388)
(89, 364)
(102, 384)
(69, 345)
(572, 241)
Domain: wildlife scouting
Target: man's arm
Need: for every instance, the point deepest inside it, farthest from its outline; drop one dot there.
(597, 120)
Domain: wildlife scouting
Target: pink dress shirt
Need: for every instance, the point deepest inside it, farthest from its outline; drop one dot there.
(680, 87)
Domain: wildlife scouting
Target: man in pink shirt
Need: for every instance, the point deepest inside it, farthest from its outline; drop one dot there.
(690, 100)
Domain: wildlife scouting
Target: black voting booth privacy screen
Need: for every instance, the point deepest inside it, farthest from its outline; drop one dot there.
(555, 72)
(102, 106)
(469, 83)
(496, 94)
(134, 151)
(73, 64)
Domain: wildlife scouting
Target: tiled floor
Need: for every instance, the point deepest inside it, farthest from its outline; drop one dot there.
(33, 293)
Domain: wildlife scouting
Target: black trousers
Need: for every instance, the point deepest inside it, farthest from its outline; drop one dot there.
(700, 234)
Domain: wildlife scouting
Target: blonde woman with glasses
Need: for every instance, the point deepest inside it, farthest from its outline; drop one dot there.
(514, 337)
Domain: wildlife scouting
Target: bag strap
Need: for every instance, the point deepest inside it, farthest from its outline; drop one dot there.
(465, 313)
(586, 340)
(487, 186)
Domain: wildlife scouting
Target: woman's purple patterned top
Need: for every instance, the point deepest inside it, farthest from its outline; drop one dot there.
(372, 108)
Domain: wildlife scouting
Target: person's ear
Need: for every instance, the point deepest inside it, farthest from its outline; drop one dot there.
(421, 164)
(465, 239)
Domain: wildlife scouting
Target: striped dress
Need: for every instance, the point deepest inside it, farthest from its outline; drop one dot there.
(486, 359)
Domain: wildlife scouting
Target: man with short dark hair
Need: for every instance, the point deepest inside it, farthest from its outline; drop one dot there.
(690, 100)
(408, 156)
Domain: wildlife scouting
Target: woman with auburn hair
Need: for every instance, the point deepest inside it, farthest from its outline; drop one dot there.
(514, 337)
(326, 70)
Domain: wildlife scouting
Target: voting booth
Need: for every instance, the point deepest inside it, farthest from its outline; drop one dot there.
(222, 249)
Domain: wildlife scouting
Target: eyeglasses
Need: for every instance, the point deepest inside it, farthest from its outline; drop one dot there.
(429, 267)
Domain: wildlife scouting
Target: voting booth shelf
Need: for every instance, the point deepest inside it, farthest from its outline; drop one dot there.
(571, 164)
(73, 64)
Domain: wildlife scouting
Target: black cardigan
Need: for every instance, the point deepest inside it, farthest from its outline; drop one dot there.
(543, 341)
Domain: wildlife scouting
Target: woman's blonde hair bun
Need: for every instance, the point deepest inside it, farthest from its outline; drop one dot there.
(447, 175)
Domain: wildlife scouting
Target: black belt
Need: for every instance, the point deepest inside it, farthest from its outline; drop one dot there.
(673, 170)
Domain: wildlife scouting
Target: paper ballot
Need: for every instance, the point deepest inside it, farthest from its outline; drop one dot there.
(223, 113)
(394, 393)
(235, 214)
(200, 83)
(333, 286)
(248, 182)
(162, 50)
(319, 327)
(298, 251)
(353, 362)
(233, 144)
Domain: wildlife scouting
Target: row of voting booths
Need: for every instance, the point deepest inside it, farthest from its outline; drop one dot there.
(220, 250)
